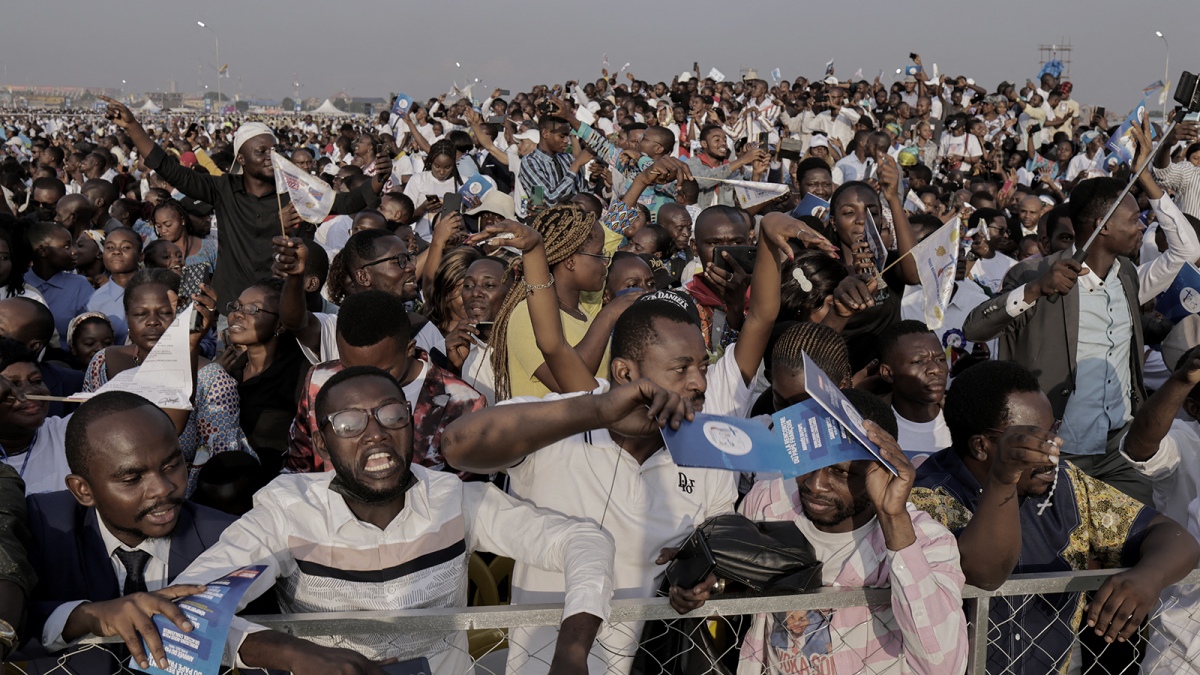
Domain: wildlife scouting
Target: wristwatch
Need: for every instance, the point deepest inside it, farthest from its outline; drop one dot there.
(8, 638)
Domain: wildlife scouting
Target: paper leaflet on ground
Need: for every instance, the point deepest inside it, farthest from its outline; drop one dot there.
(804, 439)
(1182, 298)
(937, 257)
(828, 396)
(751, 193)
(165, 377)
(312, 197)
(812, 205)
(199, 652)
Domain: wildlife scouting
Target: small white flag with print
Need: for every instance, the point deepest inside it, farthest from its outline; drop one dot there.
(716, 75)
(313, 197)
(937, 257)
(752, 193)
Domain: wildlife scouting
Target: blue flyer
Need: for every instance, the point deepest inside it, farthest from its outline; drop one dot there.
(812, 205)
(828, 396)
(474, 190)
(1120, 144)
(199, 652)
(732, 443)
(402, 105)
(1182, 298)
(804, 439)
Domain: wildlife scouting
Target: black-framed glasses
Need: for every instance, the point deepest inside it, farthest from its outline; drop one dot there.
(401, 259)
(352, 422)
(248, 310)
(606, 257)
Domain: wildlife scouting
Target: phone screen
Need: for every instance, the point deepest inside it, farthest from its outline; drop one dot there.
(539, 195)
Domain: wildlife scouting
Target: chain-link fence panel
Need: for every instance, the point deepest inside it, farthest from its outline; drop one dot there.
(1033, 624)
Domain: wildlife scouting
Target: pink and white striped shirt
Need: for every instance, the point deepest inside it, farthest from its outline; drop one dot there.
(923, 630)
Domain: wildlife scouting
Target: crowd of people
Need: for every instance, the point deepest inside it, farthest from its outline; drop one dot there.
(380, 394)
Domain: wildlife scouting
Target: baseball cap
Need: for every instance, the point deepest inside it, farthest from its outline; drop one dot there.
(531, 135)
(819, 141)
(680, 300)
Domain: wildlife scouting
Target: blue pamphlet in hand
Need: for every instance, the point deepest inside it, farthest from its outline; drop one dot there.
(732, 443)
(402, 105)
(474, 190)
(812, 205)
(1121, 145)
(199, 652)
(1182, 298)
(805, 438)
(828, 396)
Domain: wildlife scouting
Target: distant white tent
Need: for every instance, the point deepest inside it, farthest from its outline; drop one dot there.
(328, 108)
(149, 106)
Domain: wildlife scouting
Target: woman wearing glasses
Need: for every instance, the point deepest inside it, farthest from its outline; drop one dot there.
(211, 427)
(267, 364)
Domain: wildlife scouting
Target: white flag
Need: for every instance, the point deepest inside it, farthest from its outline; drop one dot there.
(312, 197)
(937, 257)
(752, 193)
(716, 75)
(913, 203)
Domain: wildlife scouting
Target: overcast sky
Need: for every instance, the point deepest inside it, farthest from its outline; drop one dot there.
(373, 47)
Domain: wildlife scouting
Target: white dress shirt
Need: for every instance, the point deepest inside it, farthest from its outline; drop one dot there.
(155, 575)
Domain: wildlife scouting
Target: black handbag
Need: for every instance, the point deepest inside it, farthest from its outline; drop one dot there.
(763, 556)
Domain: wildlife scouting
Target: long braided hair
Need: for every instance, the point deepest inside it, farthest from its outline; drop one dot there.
(564, 230)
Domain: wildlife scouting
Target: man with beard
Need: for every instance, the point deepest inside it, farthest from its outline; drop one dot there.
(713, 162)
(121, 528)
(1016, 508)
(856, 516)
(381, 533)
(1085, 344)
(913, 361)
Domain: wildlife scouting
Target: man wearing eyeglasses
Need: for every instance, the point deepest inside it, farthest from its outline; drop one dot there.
(381, 533)
(1016, 507)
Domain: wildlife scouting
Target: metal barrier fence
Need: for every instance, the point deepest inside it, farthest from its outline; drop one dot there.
(1168, 642)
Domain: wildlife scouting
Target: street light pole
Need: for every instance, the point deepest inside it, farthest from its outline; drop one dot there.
(217, 42)
(1166, 75)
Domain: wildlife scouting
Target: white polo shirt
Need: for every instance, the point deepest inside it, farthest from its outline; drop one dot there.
(645, 508)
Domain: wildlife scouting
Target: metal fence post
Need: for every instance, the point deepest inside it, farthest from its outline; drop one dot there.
(977, 633)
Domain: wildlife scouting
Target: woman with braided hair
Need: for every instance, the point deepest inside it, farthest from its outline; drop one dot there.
(785, 369)
(574, 242)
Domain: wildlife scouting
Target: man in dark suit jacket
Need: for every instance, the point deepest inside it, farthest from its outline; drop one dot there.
(1038, 320)
(106, 549)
